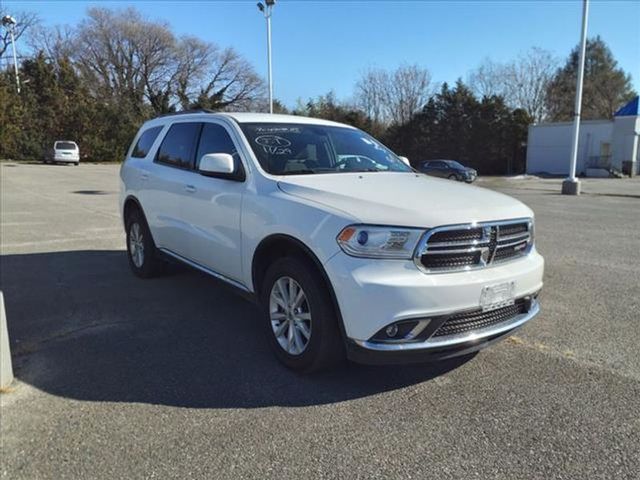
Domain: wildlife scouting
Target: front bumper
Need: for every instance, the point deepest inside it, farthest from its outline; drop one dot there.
(373, 294)
(469, 177)
(437, 349)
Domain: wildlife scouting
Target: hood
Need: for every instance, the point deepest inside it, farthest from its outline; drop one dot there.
(404, 199)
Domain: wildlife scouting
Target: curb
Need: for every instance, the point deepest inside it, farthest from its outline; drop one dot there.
(6, 368)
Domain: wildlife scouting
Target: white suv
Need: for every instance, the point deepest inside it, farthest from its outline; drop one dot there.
(346, 248)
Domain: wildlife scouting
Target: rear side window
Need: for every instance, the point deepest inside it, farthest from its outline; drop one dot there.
(215, 139)
(143, 145)
(179, 145)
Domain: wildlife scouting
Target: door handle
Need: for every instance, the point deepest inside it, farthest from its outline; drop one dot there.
(190, 188)
(144, 176)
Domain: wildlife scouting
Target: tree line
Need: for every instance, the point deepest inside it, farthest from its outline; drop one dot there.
(96, 82)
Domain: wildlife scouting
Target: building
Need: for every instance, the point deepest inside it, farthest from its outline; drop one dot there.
(603, 146)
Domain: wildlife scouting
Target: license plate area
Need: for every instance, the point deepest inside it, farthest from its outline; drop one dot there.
(497, 296)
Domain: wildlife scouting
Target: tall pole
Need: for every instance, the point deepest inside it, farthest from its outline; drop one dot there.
(268, 15)
(15, 58)
(571, 186)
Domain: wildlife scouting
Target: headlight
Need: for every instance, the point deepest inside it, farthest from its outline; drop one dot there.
(369, 241)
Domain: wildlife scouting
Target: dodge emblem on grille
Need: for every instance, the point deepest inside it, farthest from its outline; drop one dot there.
(484, 256)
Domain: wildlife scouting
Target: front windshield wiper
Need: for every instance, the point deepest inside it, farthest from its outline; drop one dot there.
(302, 171)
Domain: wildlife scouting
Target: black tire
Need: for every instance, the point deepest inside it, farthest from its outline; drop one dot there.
(151, 265)
(452, 177)
(325, 347)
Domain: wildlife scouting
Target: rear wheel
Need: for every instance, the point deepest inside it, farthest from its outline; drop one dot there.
(452, 177)
(141, 251)
(301, 323)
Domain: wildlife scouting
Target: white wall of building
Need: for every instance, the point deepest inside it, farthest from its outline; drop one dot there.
(625, 133)
(549, 145)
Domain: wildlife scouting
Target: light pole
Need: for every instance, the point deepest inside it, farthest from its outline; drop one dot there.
(9, 23)
(267, 9)
(571, 185)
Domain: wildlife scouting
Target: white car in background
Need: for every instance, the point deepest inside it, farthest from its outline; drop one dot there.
(63, 151)
(348, 251)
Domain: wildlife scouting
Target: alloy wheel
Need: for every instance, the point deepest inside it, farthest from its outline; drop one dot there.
(136, 245)
(290, 315)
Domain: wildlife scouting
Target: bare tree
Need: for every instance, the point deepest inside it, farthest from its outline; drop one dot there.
(371, 92)
(194, 59)
(394, 97)
(55, 42)
(127, 56)
(409, 91)
(109, 49)
(230, 82)
(25, 21)
(523, 82)
(488, 79)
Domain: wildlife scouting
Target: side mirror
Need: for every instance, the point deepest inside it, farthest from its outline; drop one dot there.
(216, 164)
(405, 160)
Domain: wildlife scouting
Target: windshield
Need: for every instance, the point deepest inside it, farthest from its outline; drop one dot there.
(454, 164)
(293, 149)
(65, 146)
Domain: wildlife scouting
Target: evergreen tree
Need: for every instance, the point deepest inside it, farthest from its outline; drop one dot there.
(606, 86)
(483, 134)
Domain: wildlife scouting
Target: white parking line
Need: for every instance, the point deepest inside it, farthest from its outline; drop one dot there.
(20, 224)
(60, 240)
(21, 212)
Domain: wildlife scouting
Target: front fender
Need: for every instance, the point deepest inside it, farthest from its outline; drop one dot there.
(278, 213)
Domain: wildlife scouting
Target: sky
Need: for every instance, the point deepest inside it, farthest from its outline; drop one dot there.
(320, 46)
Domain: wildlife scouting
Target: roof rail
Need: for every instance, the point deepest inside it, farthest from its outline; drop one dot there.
(183, 112)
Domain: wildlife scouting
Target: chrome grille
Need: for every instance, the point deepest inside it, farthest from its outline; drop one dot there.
(466, 247)
(457, 235)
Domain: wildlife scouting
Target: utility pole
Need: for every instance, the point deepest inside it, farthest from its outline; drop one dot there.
(9, 23)
(267, 11)
(571, 185)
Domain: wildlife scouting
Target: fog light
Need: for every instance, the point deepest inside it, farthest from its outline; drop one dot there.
(391, 330)
(402, 331)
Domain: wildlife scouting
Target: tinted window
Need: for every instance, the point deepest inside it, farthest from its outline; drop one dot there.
(215, 139)
(145, 141)
(66, 146)
(178, 146)
(437, 165)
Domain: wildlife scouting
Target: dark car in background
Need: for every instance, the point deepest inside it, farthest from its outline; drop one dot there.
(448, 169)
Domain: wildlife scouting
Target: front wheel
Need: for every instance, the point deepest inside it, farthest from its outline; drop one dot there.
(301, 322)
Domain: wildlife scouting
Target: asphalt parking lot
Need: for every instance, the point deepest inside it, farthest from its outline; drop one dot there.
(123, 378)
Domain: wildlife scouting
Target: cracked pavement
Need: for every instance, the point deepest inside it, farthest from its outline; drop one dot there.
(171, 378)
